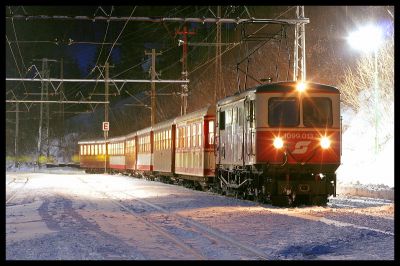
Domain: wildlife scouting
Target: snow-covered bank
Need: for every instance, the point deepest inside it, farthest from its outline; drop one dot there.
(361, 165)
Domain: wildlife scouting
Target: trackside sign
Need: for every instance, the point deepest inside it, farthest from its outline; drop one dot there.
(106, 126)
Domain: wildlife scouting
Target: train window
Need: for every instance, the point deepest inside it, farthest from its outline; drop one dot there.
(188, 136)
(240, 117)
(168, 143)
(100, 149)
(228, 116)
(211, 132)
(222, 120)
(283, 112)
(84, 150)
(250, 113)
(91, 149)
(194, 133)
(317, 112)
(157, 141)
(182, 134)
(178, 138)
(164, 139)
(96, 151)
(199, 134)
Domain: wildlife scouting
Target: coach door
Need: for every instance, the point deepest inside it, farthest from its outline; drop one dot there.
(249, 138)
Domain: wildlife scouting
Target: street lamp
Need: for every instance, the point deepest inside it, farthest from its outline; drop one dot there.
(368, 39)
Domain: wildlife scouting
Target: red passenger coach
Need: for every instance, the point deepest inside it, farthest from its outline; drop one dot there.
(194, 142)
(116, 153)
(164, 148)
(92, 155)
(144, 161)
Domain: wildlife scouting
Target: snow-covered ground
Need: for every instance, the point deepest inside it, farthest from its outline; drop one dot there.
(361, 164)
(66, 214)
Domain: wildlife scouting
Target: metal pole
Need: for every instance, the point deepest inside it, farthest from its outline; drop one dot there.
(72, 102)
(16, 134)
(101, 80)
(165, 19)
(218, 88)
(303, 46)
(44, 62)
(153, 87)
(47, 119)
(61, 132)
(106, 112)
(376, 99)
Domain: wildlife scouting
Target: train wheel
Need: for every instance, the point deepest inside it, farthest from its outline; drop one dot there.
(282, 201)
(319, 200)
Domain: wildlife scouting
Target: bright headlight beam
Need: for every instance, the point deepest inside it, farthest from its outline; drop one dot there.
(278, 143)
(301, 86)
(325, 142)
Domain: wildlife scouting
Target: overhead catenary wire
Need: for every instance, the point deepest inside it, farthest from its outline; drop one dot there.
(16, 63)
(133, 10)
(16, 40)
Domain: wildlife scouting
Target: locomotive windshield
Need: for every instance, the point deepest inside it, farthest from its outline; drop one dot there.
(317, 112)
(283, 112)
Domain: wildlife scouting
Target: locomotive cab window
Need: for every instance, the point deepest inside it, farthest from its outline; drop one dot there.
(317, 112)
(283, 112)
(221, 120)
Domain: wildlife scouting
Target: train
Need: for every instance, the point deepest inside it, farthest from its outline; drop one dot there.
(277, 142)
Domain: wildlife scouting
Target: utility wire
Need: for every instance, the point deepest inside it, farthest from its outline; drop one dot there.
(120, 33)
(16, 63)
(16, 39)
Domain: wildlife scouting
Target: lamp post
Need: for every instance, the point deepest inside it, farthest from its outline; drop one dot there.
(368, 39)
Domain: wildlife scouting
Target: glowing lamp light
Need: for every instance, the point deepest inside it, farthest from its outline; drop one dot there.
(301, 86)
(325, 142)
(278, 143)
(366, 39)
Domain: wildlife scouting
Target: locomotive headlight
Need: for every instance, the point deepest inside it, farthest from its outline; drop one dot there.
(325, 142)
(301, 86)
(278, 143)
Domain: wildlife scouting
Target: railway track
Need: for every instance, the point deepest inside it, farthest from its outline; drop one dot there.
(202, 232)
(178, 242)
(204, 229)
(15, 192)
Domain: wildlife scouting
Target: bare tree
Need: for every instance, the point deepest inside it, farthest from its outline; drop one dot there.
(357, 88)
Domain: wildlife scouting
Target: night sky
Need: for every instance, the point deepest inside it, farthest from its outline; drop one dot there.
(79, 43)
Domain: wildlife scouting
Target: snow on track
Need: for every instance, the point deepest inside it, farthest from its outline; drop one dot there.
(56, 216)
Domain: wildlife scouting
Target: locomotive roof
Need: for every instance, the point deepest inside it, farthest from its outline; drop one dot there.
(285, 86)
(290, 86)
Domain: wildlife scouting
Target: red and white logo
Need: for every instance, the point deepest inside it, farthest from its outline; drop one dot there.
(301, 147)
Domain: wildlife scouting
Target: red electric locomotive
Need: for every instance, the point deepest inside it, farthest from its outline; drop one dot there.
(280, 142)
